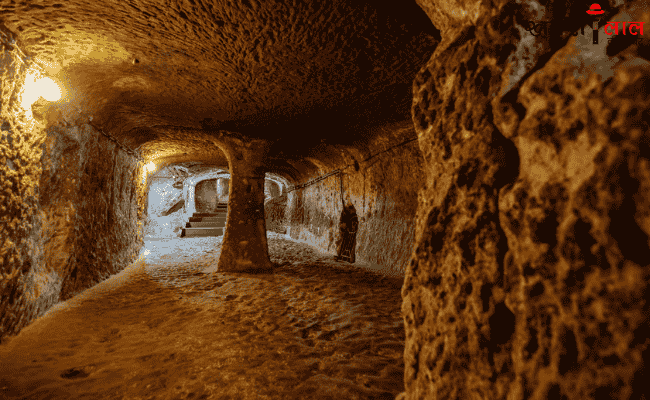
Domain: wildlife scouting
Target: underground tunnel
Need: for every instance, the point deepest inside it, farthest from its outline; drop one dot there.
(424, 199)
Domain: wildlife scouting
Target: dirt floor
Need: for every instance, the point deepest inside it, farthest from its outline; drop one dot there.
(168, 327)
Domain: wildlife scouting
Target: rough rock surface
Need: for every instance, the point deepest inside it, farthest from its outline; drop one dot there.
(108, 232)
(531, 268)
(85, 223)
(274, 214)
(244, 242)
(260, 66)
(382, 181)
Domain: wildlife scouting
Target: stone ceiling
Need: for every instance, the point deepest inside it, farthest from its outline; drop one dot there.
(296, 71)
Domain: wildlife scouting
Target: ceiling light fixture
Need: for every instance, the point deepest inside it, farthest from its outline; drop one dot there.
(150, 167)
(37, 86)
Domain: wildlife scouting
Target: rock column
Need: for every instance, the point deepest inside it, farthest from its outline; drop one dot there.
(244, 244)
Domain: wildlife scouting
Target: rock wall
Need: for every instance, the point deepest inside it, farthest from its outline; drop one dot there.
(165, 207)
(531, 265)
(107, 232)
(383, 183)
(205, 196)
(83, 223)
(274, 214)
(27, 289)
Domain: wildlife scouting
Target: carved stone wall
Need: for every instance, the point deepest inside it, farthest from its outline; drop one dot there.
(532, 260)
(384, 190)
(87, 224)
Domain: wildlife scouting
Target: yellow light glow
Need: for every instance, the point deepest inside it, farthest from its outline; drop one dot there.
(150, 167)
(36, 87)
(48, 89)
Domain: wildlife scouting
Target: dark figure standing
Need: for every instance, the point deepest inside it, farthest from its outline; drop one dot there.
(348, 226)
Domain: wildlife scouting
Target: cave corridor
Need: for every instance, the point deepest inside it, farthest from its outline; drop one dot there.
(353, 199)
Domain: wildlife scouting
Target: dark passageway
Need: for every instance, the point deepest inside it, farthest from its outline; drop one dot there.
(353, 199)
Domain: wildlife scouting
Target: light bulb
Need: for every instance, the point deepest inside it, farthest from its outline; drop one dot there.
(42, 87)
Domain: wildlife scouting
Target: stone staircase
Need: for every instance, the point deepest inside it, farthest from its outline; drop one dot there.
(207, 224)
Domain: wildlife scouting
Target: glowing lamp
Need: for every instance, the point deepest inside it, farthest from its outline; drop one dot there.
(48, 89)
(39, 87)
(150, 167)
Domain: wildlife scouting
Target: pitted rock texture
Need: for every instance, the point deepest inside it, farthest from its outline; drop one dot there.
(450, 349)
(86, 226)
(531, 265)
(577, 226)
(140, 63)
(244, 241)
(274, 214)
(108, 205)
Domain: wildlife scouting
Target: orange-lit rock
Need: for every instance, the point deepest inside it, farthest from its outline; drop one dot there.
(520, 285)
(502, 170)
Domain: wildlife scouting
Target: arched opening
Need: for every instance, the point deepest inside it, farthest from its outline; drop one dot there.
(165, 204)
(206, 196)
(271, 189)
(209, 218)
(348, 226)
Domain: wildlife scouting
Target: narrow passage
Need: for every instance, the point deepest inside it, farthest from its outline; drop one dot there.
(168, 328)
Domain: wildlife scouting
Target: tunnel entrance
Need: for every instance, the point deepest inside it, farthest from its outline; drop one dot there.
(211, 209)
(349, 225)
(206, 196)
(210, 193)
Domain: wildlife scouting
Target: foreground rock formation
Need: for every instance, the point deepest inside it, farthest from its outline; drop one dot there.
(531, 266)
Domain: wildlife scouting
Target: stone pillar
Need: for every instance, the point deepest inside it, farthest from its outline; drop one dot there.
(244, 246)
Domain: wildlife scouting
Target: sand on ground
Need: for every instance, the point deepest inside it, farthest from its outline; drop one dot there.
(170, 327)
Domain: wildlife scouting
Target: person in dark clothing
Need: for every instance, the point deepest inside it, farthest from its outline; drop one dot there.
(348, 227)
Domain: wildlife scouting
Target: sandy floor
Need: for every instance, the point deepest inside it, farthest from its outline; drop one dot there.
(168, 327)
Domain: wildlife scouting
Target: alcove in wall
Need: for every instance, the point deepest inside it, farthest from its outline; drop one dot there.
(209, 193)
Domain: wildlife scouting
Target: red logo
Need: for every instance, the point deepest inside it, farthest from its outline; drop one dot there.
(594, 9)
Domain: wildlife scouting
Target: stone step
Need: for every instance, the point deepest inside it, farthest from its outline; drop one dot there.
(212, 214)
(194, 232)
(206, 224)
(207, 219)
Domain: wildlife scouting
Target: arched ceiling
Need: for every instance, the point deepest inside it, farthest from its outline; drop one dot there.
(299, 72)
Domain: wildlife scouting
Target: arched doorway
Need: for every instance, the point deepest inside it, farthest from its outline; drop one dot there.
(206, 196)
(349, 225)
(190, 185)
